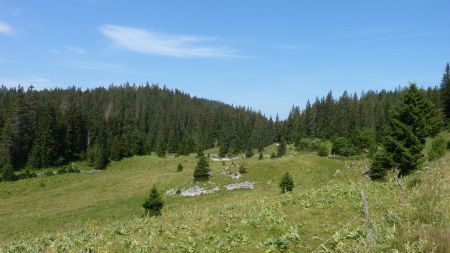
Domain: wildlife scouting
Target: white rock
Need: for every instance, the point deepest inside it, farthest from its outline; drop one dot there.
(238, 186)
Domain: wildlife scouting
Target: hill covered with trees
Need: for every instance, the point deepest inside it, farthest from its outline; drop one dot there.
(53, 127)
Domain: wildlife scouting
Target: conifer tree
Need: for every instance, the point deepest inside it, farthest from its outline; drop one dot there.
(201, 172)
(101, 157)
(261, 156)
(380, 166)
(249, 153)
(286, 184)
(6, 144)
(161, 148)
(8, 173)
(410, 123)
(45, 146)
(154, 203)
(116, 148)
(445, 91)
(180, 167)
(282, 147)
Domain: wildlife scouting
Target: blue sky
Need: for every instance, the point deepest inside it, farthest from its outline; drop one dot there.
(265, 54)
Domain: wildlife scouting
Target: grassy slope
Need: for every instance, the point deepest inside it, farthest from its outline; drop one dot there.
(104, 208)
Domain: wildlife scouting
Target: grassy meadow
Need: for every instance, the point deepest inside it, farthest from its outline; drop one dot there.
(102, 211)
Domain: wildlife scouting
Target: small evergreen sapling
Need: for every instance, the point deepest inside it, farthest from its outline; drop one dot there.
(242, 169)
(154, 203)
(286, 184)
(201, 172)
(272, 156)
(261, 156)
(380, 166)
(180, 167)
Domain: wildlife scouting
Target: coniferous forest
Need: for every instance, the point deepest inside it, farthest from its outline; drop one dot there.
(41, 128)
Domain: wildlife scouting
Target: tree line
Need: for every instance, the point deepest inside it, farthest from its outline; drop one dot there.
(52, 127)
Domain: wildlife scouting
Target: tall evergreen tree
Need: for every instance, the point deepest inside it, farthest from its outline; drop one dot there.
(410, 123)
(282, 147)
(45, 151)
(445, 91)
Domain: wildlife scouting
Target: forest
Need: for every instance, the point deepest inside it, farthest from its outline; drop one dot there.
(52, 127)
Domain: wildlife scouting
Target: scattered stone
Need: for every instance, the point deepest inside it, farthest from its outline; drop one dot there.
(236, 175)
(238, 186)
(172, 191)
(197, 191)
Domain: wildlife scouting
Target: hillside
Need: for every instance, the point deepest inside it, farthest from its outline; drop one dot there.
(102, 212)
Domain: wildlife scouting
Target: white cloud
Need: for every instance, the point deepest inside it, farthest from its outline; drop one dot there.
(37, 82)
(6, 29)
(75, 49)
(149, 42)
(93, 65)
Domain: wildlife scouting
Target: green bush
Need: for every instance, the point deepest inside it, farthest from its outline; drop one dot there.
(308, 144)
(242, 169)
(179, 167)
(343, 147)
(437, 148)
(324, 148)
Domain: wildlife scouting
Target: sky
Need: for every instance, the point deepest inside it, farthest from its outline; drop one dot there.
(268, 55)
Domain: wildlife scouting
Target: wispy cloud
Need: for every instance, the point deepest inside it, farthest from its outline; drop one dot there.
(75, 49)
(150, 42)
(6, 29)
(37, 82)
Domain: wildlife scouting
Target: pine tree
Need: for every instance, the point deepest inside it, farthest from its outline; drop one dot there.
(261, 156)
(8, 173)
(45, 146)
(116, 148)
(282, 147)
(6, 144)
(201, 172)
(380, 166)
(101, 157)
(410, 123)
(249, 153)
(286, 184)
(154, 203)
(445, 91)
(180, 167)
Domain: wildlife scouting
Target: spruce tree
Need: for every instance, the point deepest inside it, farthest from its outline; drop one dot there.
(261, 156)
(282, 147)
(116, 148)
(286, 184)
(201, 172)
(445, 91)
(411, 121)
(101, 157)
(8, 173)
(45, 146)
(179, 167)
(249, 153)
(380, 166)
(154, 203)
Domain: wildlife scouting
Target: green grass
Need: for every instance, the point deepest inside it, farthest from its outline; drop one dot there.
(88, 211)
